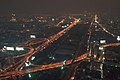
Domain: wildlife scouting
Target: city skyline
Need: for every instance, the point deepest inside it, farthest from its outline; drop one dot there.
(59, 40)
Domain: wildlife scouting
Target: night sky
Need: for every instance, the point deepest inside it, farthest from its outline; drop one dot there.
(58, 6)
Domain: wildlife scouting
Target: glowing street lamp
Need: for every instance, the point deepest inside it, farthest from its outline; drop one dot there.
(32, 58)
(62, 67)
(27, 64)
(29, 75)
(118, 38)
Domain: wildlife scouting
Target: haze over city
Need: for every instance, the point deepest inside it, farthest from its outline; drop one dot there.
(59, 6)
(59, 40)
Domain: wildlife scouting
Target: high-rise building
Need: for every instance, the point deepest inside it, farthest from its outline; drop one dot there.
(13, 18)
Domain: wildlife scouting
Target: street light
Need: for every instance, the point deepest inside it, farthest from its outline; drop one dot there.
(29, 75)
(27, 64)
(118, 38)
(32, 58)
(62, 67)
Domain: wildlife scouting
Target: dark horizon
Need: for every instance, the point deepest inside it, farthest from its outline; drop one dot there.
(59, 6)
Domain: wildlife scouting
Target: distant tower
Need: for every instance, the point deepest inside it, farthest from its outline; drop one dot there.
(96, 18)
(13, 18)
